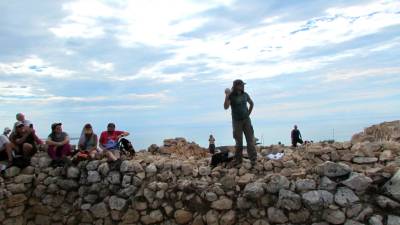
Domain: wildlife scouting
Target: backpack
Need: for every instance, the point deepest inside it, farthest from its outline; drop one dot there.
(220, 157)
(125, 146)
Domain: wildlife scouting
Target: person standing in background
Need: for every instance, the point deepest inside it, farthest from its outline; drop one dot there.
(211, 146)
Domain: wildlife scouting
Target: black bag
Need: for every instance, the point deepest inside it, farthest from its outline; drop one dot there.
(125, 146)
(220, 157)
(21, 162)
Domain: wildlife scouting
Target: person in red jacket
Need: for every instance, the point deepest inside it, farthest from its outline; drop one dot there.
(109, 141)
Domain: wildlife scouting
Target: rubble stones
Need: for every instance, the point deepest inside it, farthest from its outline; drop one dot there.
(253, 190)
(317, 200)
(392, 187)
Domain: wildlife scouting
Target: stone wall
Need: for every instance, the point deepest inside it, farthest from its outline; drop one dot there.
(320, 184)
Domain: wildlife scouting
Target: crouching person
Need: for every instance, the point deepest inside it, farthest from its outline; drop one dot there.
(87, 145)
(58, 143)
(109, 142)
(25, 140)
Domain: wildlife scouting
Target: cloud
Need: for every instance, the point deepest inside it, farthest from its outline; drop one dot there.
(341, 75)
(164, 24)
(35, 66)
(45, 98)
(271, 48)
(98, 66)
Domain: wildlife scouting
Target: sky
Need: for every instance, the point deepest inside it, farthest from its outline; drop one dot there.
(158, 69)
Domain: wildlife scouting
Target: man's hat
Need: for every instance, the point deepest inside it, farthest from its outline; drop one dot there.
(238, 82)
(110, 125)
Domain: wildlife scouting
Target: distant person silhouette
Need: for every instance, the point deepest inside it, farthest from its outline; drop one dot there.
(237, 99)
(296, 136)
(211, 146)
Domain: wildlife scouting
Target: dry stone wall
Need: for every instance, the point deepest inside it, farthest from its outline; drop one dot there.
(319, 184)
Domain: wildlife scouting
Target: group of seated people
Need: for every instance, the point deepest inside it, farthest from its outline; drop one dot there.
(22, 143)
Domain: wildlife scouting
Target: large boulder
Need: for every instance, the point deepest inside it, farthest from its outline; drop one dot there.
(276, 215)
(316, 200)
(254, 190)
(332, 169)
(392, 187)
(357, 182)
(289, 200)
(345, 197)
(183, 216)
(276, 183)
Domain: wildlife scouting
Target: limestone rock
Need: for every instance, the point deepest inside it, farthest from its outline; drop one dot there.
(222, 204)
(334, 216)
(212, 217)
(289, 200)
(104, 169)
(117, 203)
(183, 216)
(316, 200)
(345, 197)
(327, 184)
(300, 216)
(277, 183)
(375, 220)
(253, 190)
(276, 215)
(305, 185)
(385, 202)
(229, 218)
(331, 169)
(393, 220)
(92, 165)
(93, 177)
(24, 179)
(99, 210)
(12, 172)
(204, 170)
(365, 160)
(114, 177)
(392, 187)
(352, 222)
(73, 172)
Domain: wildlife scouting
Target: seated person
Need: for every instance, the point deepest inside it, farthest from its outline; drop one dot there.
(21, 119)
(109, 141)
(24, 140)
(58, 142)
(6, 149)
(6, 131)
(87, 145)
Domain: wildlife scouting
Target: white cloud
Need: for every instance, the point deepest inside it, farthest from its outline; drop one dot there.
(269, 49)
(41, 97)
(341, 75)
(98, 66)
(149, 22)
(35, 66)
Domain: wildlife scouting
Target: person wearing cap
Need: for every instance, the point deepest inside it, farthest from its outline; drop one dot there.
(109, 141)
(24, 140)
(87, 144)
(237, 99)
(296, 136)
(58, 142)
(6, 131)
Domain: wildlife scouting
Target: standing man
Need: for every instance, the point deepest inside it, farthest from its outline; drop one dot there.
(211, 146)
(237, 99)
(296, 137)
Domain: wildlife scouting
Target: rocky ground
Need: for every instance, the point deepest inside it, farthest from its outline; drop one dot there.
(350, 183)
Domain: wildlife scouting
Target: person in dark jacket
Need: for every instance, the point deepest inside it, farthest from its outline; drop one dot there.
(296, 136)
